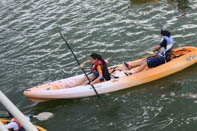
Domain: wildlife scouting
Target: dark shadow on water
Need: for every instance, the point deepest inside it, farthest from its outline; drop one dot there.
(182, 5)
(142, 2)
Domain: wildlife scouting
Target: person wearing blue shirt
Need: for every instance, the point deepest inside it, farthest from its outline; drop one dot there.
(165, 51)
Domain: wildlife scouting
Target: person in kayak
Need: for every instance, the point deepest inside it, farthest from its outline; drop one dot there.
(164, 55)
(99, 70)
(15, 125)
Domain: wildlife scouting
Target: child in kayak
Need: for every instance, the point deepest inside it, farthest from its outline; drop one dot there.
(99, 70)
(15, 125)
(163, 57)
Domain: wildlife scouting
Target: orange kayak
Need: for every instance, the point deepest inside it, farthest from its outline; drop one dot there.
(72, 87)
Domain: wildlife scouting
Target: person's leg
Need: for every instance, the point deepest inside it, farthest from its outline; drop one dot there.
(91, 77)
(141, 65)
(85, 83)
(134, 64)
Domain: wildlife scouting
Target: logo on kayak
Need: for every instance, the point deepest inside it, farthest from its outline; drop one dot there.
(190, 58)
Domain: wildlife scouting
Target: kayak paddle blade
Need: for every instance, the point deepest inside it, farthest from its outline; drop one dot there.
(44, 116)
(150, 52)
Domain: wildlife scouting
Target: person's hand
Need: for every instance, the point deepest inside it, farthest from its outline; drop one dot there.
(81, 66)
(91, 83)
(30, 116)
(157, 47)
(85, 62)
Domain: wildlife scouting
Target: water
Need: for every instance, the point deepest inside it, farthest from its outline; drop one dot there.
(33, 53)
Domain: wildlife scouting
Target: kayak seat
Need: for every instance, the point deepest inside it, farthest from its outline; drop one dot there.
(176, 56)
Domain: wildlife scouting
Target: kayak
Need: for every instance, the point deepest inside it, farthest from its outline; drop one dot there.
(71, 88)
(4, 121)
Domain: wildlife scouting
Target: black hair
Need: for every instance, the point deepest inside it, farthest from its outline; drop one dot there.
(98, 57)
(165, 33)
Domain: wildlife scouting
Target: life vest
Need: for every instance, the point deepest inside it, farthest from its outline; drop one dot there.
(18, 123)
(105, 71)
(166, 52)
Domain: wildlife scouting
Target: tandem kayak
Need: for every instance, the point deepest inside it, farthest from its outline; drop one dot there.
(71, 88)
(4, 121)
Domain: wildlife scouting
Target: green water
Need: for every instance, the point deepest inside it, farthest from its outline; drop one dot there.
(32, 53)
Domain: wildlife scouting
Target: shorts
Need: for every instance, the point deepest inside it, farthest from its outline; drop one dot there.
(96, 74)
(154, 62)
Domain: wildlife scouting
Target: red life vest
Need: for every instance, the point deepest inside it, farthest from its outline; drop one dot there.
(94, 67)
(105, 71)
(19, 124)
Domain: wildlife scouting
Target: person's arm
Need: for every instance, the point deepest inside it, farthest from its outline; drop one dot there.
(157, 48)
(99, 68)
(29, 117)
(163, 43)
(84, 63)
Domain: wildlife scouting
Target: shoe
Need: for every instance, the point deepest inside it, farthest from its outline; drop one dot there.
(127, 73)
(126, 64)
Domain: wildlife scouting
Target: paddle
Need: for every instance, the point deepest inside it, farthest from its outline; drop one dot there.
(41, 116)
(79, 64)
(151, 52)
